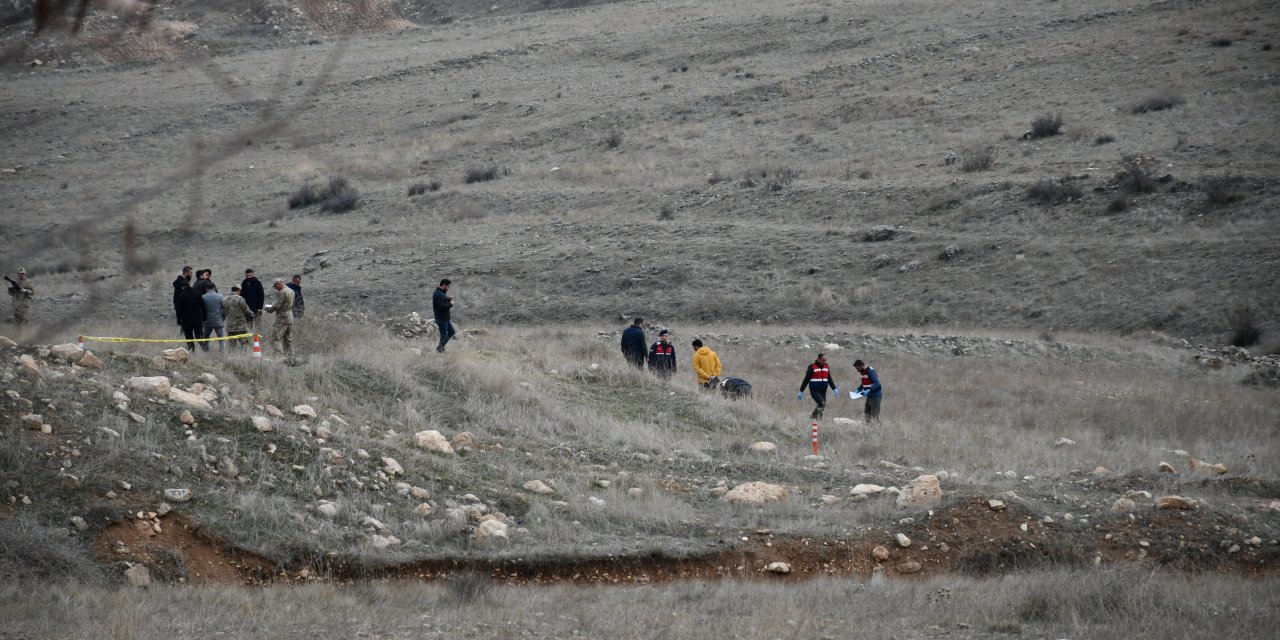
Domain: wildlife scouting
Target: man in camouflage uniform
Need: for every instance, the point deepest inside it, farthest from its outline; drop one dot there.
(238, 316)
(282, 332)
(21, 294)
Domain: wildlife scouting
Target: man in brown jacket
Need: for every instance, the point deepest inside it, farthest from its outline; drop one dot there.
(282, 332)
(238, 316)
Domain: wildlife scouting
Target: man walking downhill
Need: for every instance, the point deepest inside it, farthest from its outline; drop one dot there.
(296, 285)
(282, 332)
(662, 356)
(633, 343)
(191, 315)
(185, 278)
(706, 364)
(21, 293)
(871, 387)
(237, 314)
(254, 296)
(214, 320)
(441, 304)
(818, 377)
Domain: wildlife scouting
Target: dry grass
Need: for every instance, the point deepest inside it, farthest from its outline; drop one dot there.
(1045, 604)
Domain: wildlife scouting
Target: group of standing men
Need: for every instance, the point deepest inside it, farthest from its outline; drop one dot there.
(817, 377)
(661, 355)
(203, 312)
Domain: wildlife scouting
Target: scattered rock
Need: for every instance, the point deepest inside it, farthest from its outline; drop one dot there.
(178, 355)
(464, 440)
(950, 252)
(538, 486)
(69, 351)
(138, 576)
(595, 502)
(70, 482)
(189, 399)
(79, 523)
(391, 467)
(635, 492)
(157, 386)
(880, 553)
(227, 467)
(274, 412)
(763, 447)
(1099, 472)
(491, 529)
(261, 423)
(177, 495)
(1174, 502)
(909, 266)
(1202, 466)
(865, 489)
(880, 233)
(827, 499)
(831, 346)
(910, 566)
(1165, 467)
(924, 491)
(1123, 505)
(602, 483)
(903, 540)
(327, 509)
(432, 440)
(90, 361)
(305, 411)
(778, 566)
(1064, 442)
(28, 366)
(6, 343)
(844, 421)
(379, 541)
(996, 505)
(137, 417)
(423, 510)
(186, 418)
(33, 421)
(157, 364)
(756, 493)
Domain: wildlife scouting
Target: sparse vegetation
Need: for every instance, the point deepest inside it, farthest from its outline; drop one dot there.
(1221, 190)
(613, 139)
(1105, 138)
(977, 158)
(1052, 192)
(419, 188)
(1220, 42)
(337, 197)
(1119, 202)
(481, 174)
(1047, 125)
(1158, 102)
(1134, 176)
(773, 177)
(666, 213)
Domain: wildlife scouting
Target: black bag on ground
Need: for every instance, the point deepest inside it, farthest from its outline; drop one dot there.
(735, 387)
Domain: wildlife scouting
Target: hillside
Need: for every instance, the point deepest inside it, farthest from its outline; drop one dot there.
(688, 163)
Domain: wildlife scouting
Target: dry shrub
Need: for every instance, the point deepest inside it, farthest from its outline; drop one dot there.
(1157, 102)
(1047, 125)
(977, 158)
(481, 174)
(1244, 328)
(1051, 192)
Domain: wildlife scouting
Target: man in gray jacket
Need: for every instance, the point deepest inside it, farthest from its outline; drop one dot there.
(237, 313)
(214, 323)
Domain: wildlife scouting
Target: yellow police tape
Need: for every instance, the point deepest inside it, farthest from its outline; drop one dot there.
(238, 336)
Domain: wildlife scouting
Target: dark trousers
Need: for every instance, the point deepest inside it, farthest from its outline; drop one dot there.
(191, 332)
(634, 359)
(819, 394)
(446, 332)
(872, 408)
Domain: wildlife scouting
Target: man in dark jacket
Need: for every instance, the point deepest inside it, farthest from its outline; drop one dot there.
(296, 285)
(204, 281)
(178, 283)
(818, 377)
(633, 342)
(662, 356)
(254, 296)
(191, 315)
(441, 304)
(870, 387)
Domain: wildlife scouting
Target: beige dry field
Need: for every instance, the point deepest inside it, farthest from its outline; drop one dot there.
(769, 176)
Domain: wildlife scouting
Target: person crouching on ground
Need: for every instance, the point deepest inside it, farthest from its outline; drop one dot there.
(818, 377)
(706, 364)
(871, 387)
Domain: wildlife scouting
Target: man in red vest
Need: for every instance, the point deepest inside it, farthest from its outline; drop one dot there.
(817, 377)
(870, 387)
(662, 356)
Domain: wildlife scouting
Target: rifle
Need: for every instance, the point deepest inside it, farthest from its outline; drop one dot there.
(13, 286)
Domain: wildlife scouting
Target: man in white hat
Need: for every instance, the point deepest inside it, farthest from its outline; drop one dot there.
(282, 332)
(21, 293)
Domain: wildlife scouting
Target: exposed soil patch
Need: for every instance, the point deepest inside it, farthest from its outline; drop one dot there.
(965, 537)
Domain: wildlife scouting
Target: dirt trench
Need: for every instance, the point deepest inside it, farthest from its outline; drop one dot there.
(966, 537)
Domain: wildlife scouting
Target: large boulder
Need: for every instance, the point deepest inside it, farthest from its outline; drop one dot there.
(179, 355)
(189, 399)
(538, 486)
(157, 386)
(755, 493)
(925, 491)
(391, 467)
(432, 440)
(491, 529)
(69, 351)
(1174, 502)
(90, 361)
(28, 366)
(305, 411)
(261, 423)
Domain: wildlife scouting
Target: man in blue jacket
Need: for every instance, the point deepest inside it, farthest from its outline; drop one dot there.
(441, 303)
(870, 386)
(634, 345)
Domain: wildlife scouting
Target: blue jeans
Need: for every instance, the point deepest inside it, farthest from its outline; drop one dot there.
(446, 333)
(208, 331)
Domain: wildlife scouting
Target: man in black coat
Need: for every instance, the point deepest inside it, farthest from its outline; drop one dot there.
(441, 304)
(191, 315)
(254, 296)
(633, 343)
(178, 283)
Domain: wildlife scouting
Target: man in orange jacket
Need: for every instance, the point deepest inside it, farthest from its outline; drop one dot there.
(706, 364)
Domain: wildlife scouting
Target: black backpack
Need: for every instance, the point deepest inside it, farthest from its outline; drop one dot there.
(735, 387)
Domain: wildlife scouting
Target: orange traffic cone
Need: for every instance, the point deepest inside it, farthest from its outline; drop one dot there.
(257, 348)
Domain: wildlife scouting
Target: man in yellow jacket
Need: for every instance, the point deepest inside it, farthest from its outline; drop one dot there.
(706, 364)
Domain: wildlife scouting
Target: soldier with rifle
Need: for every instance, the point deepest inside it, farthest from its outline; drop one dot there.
(21, 292)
